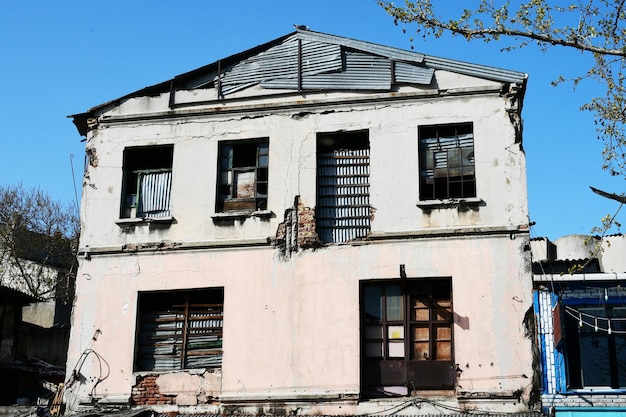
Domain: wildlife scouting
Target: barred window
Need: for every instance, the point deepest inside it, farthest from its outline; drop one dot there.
(343, 170)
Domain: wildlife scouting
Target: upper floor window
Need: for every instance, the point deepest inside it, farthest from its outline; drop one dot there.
(446, 154)
(243, 175)
(343, 208)
(147, 181)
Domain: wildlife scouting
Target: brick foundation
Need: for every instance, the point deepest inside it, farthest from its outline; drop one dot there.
(146, 392)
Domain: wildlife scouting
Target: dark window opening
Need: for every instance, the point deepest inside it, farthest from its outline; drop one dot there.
(595, 356)
(406, 336)
(243, 176)
(447, 162)
(147, 182)
(180, 330)
(343, 209)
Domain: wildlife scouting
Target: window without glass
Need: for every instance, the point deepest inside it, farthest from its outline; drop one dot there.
(447, 161)
(243, 175)
(147, 182)
(406, 336)
(180, 330)
(343, 208)
(595, 356)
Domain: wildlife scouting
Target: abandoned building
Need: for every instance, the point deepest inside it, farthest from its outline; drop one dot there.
(35, 300)
(317, 225)
(580, 302)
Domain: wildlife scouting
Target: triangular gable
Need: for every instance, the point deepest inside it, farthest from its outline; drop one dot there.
(313, 61)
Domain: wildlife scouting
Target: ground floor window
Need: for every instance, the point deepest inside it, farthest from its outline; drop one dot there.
(595, 345)
(180, 329)
(406, 336)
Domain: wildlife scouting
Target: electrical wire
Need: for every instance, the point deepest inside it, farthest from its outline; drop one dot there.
(81, 361)
(579, 315)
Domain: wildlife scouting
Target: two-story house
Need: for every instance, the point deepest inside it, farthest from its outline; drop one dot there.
(317, 225)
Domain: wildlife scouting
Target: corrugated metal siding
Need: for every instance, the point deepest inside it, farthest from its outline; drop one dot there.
(281, 62)
(368, 47)
(154, 194)
(409, 73)
(331, 62)
(162, 335)
(490, 73)
(362, 72)
(343, 209)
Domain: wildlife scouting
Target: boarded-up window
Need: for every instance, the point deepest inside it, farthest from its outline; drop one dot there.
(447, 161)
(343, 208)
(406, 336)
(180, 330)
(147, 182)
(243, 175)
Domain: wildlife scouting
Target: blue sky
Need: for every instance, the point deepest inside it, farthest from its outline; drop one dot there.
(61, 58)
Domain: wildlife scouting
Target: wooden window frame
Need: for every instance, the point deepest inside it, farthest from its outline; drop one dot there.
(179, 330)
(229, 170)
(410, 370)
(447, 163)
(139, 163)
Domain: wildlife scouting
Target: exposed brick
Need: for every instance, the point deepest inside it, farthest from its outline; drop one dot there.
(146, 392)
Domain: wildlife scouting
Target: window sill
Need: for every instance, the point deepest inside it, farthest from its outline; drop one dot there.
(242, 214)
(594, 391)
(191, 371)
(450, 202)
(144, 220)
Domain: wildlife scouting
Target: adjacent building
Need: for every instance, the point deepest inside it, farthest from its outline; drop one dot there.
(317, 225)
(36, 281)
(580, 300)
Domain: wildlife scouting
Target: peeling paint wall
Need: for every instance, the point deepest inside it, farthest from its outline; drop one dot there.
(292, 328)
(291, 305)
(177, 388)
(500, 168)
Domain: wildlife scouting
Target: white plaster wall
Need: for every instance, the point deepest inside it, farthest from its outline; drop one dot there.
(612, 254)
(575, 247)
(393, 130)
(293, 326)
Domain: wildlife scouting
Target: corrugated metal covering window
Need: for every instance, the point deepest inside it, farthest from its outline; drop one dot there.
(281, 62)
(406, 333)
(360, 72)
(447, 161)
(147, 182)
(180, 330)
(319, 63)
(243, 175)
(343, 210)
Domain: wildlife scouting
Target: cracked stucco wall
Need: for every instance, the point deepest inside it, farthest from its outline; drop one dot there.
(291, 328)
(500, 167)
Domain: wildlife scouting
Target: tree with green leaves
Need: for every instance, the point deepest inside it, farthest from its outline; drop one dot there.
(595, 27)
(38, 237)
